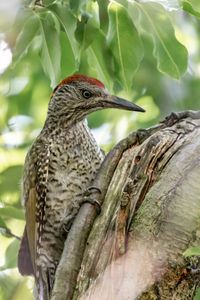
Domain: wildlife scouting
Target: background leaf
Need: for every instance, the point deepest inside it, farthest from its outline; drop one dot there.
(2, 224)
(192, 6)
(168, 4)
(100, 57)
(13, 172)
(192, 251)
(197, 295)
(26, 37)
(51, 51)
(12, 212)
(11, 255)
(151, 19)
(77, 5)
(124, 43)
(68, 24)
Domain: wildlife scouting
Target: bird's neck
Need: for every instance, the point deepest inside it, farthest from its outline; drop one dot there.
(73, 136)
(61, 122)
(55, 128)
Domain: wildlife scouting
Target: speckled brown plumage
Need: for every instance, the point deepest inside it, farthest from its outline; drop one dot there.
(59, 167)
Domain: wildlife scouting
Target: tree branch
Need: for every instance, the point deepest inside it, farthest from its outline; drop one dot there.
(127, 175)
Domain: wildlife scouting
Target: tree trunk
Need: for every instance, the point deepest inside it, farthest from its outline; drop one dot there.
(150, 196)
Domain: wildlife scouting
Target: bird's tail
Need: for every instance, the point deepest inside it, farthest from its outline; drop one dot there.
(25, 265)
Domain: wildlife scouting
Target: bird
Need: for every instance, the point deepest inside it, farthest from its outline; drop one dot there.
(59, 166)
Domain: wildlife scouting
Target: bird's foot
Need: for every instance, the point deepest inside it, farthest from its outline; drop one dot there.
(65, 228)
(88, 199)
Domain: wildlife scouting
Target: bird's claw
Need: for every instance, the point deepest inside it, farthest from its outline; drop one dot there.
(66, 226)
(90, 190)
(87, 197)
(93, 202)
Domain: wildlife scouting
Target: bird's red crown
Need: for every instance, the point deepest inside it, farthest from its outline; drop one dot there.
(80, 78)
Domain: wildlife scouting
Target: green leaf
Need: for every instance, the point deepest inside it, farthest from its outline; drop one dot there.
(153, 20)
(11, 174)
(88, 28)
(99, 60)
(68, 64)
(192, 7)
(124, 43)
(13, 22)
(48, 2)
(168, 4)
(192, 251)
(11, 255)
(25, 38)
(77, 5)
(197, 295)
(103, 14)
(68, 24)
(2, 224)
(5, 231)
(51, 51)
(12, 212)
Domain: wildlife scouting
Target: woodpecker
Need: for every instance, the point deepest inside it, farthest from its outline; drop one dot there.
(60, 165)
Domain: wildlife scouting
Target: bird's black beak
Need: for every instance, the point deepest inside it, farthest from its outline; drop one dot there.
(117, 102)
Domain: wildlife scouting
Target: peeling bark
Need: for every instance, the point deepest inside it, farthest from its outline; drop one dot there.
(150, 214)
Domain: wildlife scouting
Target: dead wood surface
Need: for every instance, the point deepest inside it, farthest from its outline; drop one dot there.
(150, 215)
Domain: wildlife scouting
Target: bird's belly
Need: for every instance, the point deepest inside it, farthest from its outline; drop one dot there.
(71, 178)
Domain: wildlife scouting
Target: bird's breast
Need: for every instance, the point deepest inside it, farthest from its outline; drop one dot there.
(72, 167)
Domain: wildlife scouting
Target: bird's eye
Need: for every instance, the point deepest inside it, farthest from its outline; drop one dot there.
(86, 94)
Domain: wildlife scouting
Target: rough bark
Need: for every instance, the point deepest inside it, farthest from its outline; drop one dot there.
(150, 196)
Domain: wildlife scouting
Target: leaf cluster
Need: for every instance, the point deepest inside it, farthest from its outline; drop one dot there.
(105, 39)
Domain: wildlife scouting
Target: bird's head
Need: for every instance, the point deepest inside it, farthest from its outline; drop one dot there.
(78, 95)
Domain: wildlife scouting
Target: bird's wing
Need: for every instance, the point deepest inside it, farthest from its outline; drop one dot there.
(31, 225)
(35, 184)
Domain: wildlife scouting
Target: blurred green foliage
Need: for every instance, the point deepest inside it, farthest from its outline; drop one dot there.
(197, 296)
(192, 251)
(139, 49)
